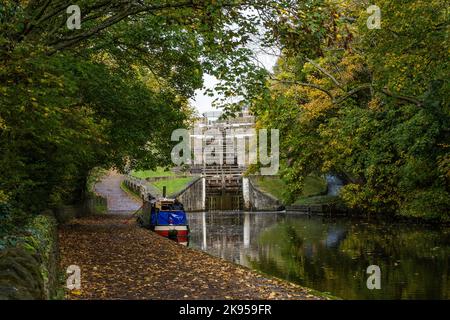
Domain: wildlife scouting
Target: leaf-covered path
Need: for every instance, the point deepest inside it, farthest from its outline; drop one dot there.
(122, 261)
(118, 200)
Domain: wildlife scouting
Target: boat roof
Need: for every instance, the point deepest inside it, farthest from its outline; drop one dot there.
(163, 201)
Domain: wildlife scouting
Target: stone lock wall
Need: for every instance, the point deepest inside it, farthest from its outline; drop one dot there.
(193, 196)
(257, 200)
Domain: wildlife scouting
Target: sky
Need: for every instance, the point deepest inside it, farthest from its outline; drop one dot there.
(203, 103)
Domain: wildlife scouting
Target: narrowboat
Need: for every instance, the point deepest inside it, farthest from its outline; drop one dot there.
(167, 218)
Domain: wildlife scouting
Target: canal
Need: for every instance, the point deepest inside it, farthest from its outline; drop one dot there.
(331, 255)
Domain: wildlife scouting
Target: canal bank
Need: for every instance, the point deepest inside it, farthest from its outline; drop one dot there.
(119, 260)
(123, 261)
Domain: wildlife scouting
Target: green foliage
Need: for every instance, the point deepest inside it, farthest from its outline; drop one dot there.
(368, 105)
(41, 232)
(107, 95)
(332, 200)
(313, 186)
(39, 238)
(94, 177)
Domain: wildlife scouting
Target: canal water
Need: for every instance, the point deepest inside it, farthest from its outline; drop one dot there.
(331, 255)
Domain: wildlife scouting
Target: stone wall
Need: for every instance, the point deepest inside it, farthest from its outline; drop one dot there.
(193, 196)
(29, 264)
(141, 188)
(93, 204)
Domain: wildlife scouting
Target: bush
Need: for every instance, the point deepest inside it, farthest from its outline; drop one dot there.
(432, 204)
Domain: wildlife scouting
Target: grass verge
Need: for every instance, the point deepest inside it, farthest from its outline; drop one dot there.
(130, 192)
(318, 200)
(159, 172)
(314, 186)
(173, 185)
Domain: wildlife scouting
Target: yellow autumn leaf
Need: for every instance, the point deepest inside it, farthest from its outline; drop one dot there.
(76, 292)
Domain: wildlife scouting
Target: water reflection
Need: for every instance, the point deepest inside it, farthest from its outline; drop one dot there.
(331, 255)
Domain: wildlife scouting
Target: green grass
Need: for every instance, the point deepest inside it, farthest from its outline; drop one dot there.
(314, 186)
(274, 186)
(159, 172)
(100, 208)
(317, 200)
(125, 188)
(94, 176)
(173, 185)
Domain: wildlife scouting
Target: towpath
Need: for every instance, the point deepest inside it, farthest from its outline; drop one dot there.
(118, 200)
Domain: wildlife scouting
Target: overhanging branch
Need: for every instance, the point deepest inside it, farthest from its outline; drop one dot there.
(305, 84)
(414, 100)
(352, 92)
(325, 72)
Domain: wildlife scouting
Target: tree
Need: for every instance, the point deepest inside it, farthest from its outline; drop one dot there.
(108, 94)
(367, 105)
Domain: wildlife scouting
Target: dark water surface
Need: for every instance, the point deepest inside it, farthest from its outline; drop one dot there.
(331, 255)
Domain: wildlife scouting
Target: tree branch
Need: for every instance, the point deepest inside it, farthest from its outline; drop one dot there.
(385, 91)
(129, 10)
(414, 100)
(304, 84)
(352, 92)
(325, 72)
(39, 14)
